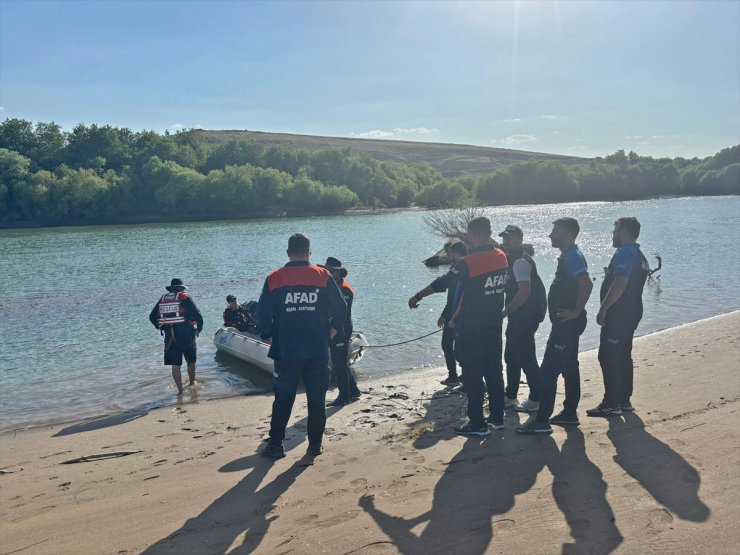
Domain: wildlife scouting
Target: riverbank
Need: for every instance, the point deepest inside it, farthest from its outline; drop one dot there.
(221, 218)
(394, 478)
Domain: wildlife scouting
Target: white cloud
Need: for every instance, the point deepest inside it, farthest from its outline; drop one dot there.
(634, 137)
(397, 132)
(512, 120)
(176, 127)
(519, 138)
(578, 148)
(556, 132)
(2, 108)
(666, 136)
(548, 116)
(493, 141)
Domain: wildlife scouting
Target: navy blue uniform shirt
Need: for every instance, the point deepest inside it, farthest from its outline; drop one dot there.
(628, 261)
(298, 304)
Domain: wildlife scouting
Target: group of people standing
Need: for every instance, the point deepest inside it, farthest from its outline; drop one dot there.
(305, 311)
(489, 284)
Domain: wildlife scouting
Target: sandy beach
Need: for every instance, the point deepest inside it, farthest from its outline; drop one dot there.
(394, 477)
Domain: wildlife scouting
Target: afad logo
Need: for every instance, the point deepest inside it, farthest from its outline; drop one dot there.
(302, 298)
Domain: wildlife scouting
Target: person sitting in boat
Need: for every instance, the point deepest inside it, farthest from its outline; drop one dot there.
(235, 316)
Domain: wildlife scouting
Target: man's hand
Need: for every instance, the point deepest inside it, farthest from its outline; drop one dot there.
(332, 333)
(414, 302)
(197, 333)
(566, 315)
(601, 316)
(441, 322)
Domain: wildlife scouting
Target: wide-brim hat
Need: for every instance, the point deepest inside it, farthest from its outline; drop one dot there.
(176, 285)
(334, 265)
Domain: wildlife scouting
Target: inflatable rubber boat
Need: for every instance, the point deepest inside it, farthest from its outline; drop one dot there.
(250, 348)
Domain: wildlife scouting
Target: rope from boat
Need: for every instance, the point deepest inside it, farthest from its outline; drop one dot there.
(403, 342)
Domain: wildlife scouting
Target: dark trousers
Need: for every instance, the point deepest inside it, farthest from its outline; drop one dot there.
(450, 348)
(480, 357)
(561, 357)
(339, 349)
(615, 356)
(288, 373)
(520, 355)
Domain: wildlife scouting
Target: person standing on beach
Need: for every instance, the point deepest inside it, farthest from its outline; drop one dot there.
(301, 309)
(482, 278)
(178, 319)
(619, 315)
(526, 305)
(339, 346)
(456, 251)
(566, 304)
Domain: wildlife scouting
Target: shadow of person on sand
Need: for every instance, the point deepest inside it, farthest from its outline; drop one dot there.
(580, 493)
(665, 474)
(480, 485)
(237, 521)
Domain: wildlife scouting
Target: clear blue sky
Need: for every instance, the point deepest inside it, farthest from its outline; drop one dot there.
(585, 78)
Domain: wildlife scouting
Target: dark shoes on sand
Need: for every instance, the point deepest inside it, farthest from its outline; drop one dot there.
(271, 452)
(471, 430)
(605, 411)
(565, 419)
(534, 427)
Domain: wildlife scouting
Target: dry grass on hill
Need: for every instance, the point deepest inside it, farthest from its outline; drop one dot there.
(451, 160)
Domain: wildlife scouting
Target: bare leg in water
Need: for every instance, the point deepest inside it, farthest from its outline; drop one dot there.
(191, 373)
(177, 376)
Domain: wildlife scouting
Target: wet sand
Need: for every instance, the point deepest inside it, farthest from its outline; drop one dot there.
(394, 478)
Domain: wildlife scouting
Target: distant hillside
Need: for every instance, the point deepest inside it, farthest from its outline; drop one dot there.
(450, 160)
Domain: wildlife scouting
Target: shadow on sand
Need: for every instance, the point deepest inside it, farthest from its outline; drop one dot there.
(664, 474)
(238, 520)
(480, 485)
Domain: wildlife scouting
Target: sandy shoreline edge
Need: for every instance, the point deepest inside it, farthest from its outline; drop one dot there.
(394, 478)
(367, 379)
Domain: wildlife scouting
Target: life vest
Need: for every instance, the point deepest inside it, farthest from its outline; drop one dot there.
(171, 311)
(532, 312)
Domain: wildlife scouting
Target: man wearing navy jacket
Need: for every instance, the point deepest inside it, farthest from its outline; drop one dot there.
(482, 277)
(619, 315)
(300, 309)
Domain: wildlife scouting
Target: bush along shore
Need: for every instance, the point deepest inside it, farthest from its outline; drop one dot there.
(103, 174)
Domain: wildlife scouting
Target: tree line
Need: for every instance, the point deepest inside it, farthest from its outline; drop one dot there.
(101, 173)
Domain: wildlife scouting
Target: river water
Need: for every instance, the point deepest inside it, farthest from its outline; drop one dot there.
(74, 302)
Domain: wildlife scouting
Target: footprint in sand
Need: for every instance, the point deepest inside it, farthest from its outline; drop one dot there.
(659, 520)
(503, 525)
(310, 519)
(338, 519)
(633, 487)
(359, 484)
(332, 479)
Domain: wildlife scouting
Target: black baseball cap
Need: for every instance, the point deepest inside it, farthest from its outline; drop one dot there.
(511, 230)
(230, 298)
